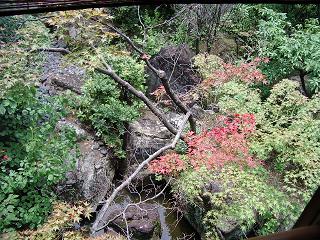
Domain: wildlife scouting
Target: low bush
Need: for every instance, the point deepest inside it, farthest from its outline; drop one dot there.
(33, 157)
(108, 107)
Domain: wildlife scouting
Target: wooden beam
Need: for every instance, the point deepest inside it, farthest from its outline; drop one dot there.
(303, 233)
(311, 213)
(11, 7)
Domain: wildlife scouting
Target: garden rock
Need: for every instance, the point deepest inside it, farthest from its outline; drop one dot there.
(147, 135)
(175, 61)
(59, 76)
(94, 171)
(142, 220)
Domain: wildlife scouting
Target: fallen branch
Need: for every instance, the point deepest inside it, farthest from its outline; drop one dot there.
(109, 71)
(162, 76)
(95, 227)
(60, 50)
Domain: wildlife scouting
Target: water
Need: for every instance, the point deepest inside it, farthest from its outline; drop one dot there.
(173, 224)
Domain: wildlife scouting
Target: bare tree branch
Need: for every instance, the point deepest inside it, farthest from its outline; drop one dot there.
(124, 184)
(122, 213)
(162, 76)
(109, 71)
(60, 50)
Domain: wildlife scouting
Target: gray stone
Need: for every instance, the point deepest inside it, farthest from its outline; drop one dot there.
(95, 146)
(141, 220)
(94, 172)
(103, 151)
(148, 135)
(58, 76)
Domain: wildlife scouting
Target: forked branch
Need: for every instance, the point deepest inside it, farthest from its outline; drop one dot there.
(96, 225)
(162, 76)
(109, 71)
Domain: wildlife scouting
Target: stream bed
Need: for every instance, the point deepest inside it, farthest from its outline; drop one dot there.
(173, 224)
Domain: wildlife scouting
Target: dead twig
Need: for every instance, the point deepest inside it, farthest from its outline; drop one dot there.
(60, 50)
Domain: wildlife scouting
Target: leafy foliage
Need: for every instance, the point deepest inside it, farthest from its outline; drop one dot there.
(270, 34)
(246, 197)
(286, 139)
(60, 222)
(287, 52)
(17, 62)
(287, 132)
(72, 28)
(236, 196)
(218, 74)
(213, 149)
(289, 138)
(34, 158)
(245, 72)
(296, 13)
(207, 64)
(105, 105)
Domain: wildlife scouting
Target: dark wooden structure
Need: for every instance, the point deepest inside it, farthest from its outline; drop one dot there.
(14, 7)
(307, 226)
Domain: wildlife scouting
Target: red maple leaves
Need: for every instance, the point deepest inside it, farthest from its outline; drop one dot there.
(214, 148)
(246, 72)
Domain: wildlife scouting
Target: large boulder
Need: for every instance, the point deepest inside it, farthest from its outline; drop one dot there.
(95, 170)
(142, 220)
(59, 76)
(175, 61)
(147, 135)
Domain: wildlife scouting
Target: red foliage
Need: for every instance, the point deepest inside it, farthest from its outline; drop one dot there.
(246, 72)
(159, 92)
(213, 148)
(169, 164)
(161, 96)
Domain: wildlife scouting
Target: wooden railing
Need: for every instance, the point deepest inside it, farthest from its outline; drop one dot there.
(11, 7)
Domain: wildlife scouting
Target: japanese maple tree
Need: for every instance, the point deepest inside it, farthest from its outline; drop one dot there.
(225, 143)
(245, 72)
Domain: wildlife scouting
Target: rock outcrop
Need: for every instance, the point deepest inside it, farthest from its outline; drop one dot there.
(94, 171)
(59, 76)
(147, 135)
(176, 62)
(142, 220)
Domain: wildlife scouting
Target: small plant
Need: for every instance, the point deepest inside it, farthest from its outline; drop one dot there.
(245, 72)
(207, 64)
(61, 222)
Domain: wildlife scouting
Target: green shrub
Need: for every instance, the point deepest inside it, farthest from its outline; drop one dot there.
(106, 105)
(287, 136)
(247, 198)
(34, 157)
(235, 97)
(241, 196)
(207, 64)
(268, 198)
